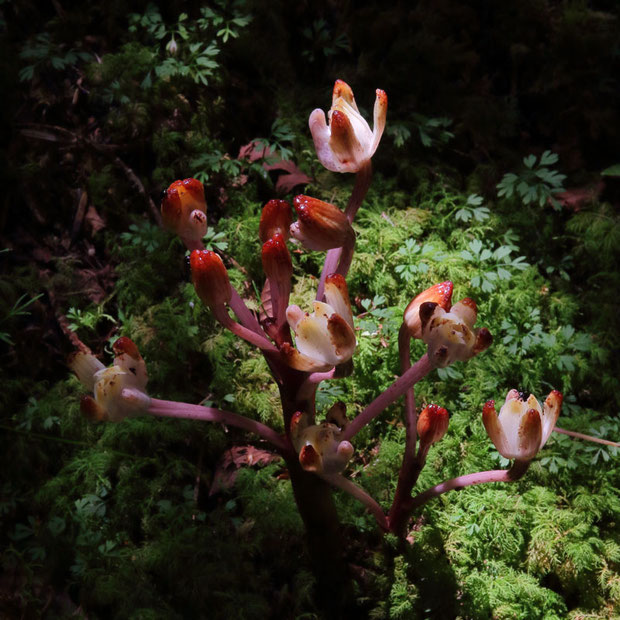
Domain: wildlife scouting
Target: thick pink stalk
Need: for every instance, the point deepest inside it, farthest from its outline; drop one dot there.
(411, 466)
(605, 442)
(417, 372)
(333, 257)
(359, 494)
(173, 409)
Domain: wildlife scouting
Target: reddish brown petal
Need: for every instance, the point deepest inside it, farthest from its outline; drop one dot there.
(342, 89)
(179, 200)
(440, 294)
(341, 336)
(343, 141)
(293, 358)
(484, 339)
(426, 311)
(125, 345)
(337, 296)
(530, 434)
(91, 410)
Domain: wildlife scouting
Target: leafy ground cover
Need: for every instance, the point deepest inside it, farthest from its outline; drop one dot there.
(497, 174)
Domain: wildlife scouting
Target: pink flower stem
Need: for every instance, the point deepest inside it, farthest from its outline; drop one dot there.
(192, 244)
(243, 332)
(417, 372)
(346, 257)
(329, 266)
(243, 313)
(605, 442)
(359, 494)
(360, 189)
(411, 418)
(308, 388)
(333, 257)
(173, 409)
(517, 471)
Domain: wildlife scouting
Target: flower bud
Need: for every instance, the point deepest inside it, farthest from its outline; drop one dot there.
(276, 217)
(210, 278)
(432, 425)
(184, 210)
(440, 294)
(277, 263)
(320, 225)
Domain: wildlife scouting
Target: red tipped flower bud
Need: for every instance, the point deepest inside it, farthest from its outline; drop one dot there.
(320, 225)
(210, 278)
(432, 424)
(277, 263)
(440, 294)
(184, 210)
(275, 218)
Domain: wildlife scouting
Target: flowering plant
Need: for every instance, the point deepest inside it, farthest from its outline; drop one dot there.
(304, 349)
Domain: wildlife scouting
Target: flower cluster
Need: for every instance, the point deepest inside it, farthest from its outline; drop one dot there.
(304, 348)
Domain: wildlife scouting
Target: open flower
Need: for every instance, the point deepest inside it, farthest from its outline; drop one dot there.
(522, 427)
(119, 391)
(319, 447)
(449, 331)
(324, 338)
(184, 210)
(320, 225)
(347, 143)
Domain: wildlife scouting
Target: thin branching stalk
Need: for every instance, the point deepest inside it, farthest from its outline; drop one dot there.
(417, 372)
(346, 485)
(517, 471)
(605, 442)
(173, 409)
